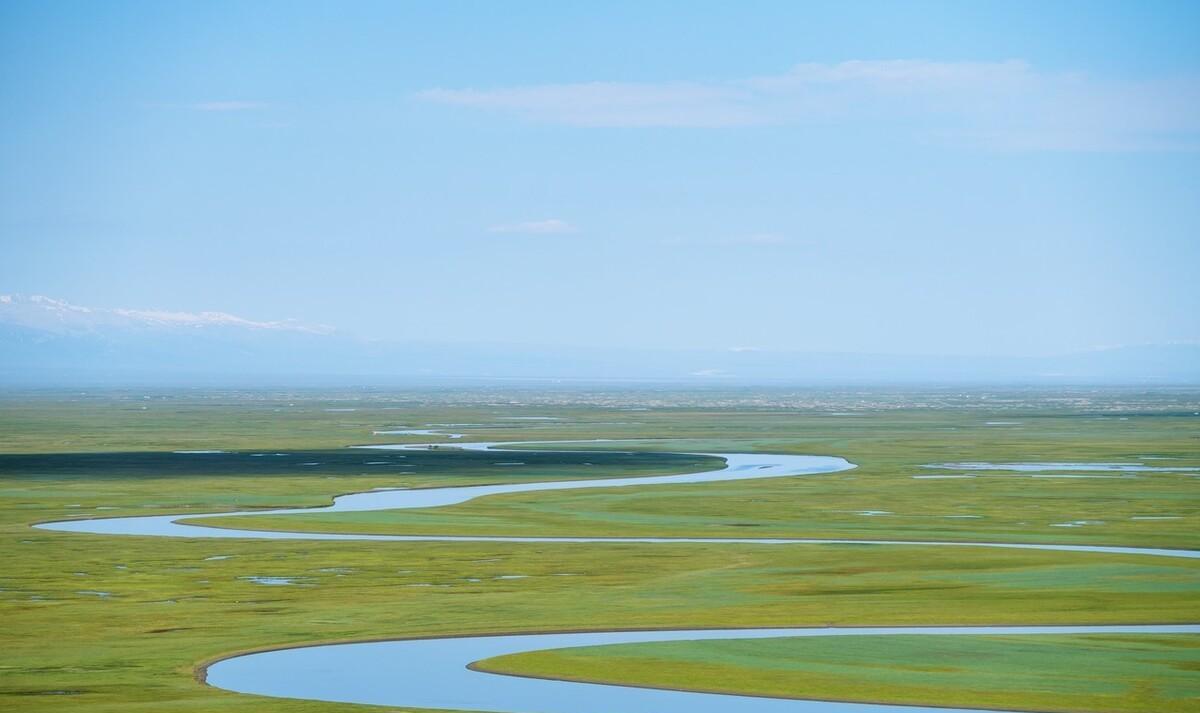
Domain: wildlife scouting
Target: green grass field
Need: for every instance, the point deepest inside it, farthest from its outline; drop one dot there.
(1125, 673)
(120, 624)
(1157, 509)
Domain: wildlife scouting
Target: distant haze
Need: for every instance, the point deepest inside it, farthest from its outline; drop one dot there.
(690, 190)
(46, 341)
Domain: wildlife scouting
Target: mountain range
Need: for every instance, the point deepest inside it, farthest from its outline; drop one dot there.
(46, 341)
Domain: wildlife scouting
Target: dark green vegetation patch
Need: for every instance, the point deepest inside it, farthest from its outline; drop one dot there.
(457, 466)
(119, 624)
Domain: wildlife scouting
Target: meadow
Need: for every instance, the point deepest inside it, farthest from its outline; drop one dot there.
(110, 624)
(1126, 673)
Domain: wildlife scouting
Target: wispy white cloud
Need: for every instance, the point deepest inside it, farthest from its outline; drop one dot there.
(229, 105)
(549, 226)
(1008, 105)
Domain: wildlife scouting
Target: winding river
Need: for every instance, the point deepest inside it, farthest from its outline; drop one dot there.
(434, 673)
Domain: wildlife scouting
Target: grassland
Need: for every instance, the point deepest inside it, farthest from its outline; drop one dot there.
(119, 624)
(879, 499)
(1120, 674)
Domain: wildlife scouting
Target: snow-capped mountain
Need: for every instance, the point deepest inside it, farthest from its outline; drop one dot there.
(62, 317)
(49, 341)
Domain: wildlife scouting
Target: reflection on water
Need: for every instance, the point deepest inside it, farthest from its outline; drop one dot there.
(433, 673)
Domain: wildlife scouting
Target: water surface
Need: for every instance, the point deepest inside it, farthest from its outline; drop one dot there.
(738, 466)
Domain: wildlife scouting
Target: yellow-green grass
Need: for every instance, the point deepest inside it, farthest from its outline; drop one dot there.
(1149, 509)
(1086, 424)
(869, 503)
(1123, 673)
(169, 608)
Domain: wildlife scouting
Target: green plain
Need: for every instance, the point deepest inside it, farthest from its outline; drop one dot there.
(1119, 673)
(121, 624)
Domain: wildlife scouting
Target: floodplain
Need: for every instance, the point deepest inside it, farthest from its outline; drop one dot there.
(133, 620)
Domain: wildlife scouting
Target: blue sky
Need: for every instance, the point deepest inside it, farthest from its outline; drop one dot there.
(947, 178)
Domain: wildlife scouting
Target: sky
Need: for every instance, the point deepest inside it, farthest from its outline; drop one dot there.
(1010, 178)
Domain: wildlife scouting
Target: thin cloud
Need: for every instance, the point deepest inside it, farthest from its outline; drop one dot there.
(1006, 105)
(549, 226)
(229, 105)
